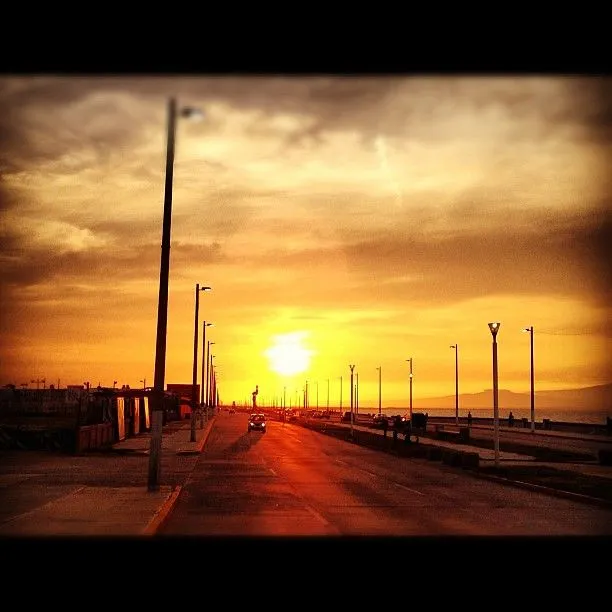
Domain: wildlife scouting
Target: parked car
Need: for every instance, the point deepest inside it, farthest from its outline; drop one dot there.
(346, 417)
(257, 422)
(380, 420)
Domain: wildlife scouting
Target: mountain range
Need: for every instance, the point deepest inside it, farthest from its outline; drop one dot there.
(587, 398)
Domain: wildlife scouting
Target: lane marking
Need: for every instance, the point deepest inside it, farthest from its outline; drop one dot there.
(401, 486)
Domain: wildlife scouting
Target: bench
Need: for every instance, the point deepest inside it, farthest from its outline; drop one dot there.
(452, 434)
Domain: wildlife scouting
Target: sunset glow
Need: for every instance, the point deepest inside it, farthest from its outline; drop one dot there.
(287, 355)
(340, 221)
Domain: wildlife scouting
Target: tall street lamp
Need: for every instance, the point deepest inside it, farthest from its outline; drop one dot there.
(208, 345)
(410, 360)
(352, 391)
(494, 327)
(157, 396)
(379, 389)
(328, 395)
(203, 385)
(317, 395)
(194, 380)
(530, 330)
(341, 396)
(456, 347)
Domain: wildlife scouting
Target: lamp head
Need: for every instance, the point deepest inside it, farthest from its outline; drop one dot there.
(192, 113)
(494, 327)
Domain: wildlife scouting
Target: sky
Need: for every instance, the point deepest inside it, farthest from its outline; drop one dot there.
(339, 220)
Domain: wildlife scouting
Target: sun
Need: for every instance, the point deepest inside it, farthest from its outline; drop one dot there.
(287, 355)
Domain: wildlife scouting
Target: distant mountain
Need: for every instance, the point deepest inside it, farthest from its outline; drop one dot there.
(588, 398)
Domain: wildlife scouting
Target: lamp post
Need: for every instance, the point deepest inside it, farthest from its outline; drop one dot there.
(144, 383)
(207, 394)
(341, 396)
(530, 330)
(352, 391)
(410, 360)
(356, 394)
(456, 347)
(209, 382)
(194, 383)
(317, 395)
(327, 395)
(379, 390)
(203, 385)
(494, 327)
(162, 307)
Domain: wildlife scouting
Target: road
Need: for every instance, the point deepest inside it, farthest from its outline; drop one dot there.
(292, 481)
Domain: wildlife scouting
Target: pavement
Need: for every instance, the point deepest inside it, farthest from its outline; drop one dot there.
(102, 510)
(112, 510)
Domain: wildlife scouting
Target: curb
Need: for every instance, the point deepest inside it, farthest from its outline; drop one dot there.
(163, 513)
(519, 484)
(199, 445)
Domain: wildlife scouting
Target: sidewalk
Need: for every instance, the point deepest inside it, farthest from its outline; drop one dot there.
(113, 511)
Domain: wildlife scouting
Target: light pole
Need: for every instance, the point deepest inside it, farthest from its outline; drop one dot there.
(341, 396)
(162, 307)
(410, 360)
(209, 383)
(328, 395)
(356, 394)
(203, 385)
(207, 400)
(379, 390)
(144, 383)
(194, 379)
(530, 330)
(494, 327)
(352, 391)
(456, 347)
(317, 395)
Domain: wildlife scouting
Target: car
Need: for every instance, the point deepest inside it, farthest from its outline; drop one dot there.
(257, 422)
(380, 420)
(346, 417)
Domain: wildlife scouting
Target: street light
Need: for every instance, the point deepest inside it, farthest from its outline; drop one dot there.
(203, 386)
(328, 395)
(194, 388)
(379, 389)
(530, 330)
(456, 347)
(162, 307)
(208, 374)
(317, 395)
(341, 396)
(494, 327)
(352, 391)
(410, 360)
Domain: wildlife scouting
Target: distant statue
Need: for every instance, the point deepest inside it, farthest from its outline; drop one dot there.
(254, 394)
(511, 419)
(469, 419)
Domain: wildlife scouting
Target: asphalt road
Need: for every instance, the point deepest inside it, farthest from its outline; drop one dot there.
(297, 482)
